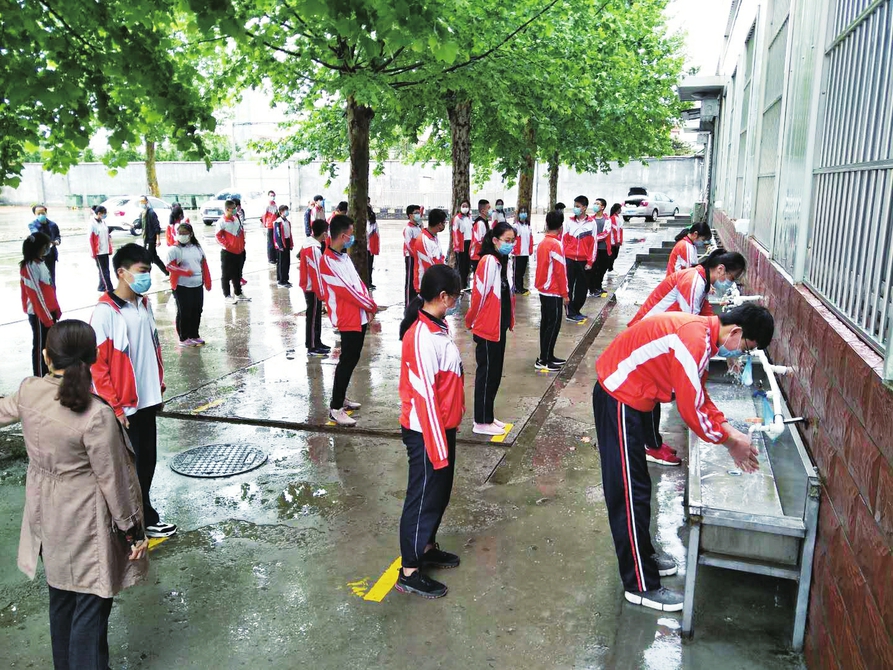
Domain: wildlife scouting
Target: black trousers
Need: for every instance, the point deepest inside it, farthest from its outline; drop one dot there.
(231, 272)
(143, 434)
(409, 292)
(427, 496)
(313, 321)
(577, 285)
(463, 263)
(105, 280)
(490, 357)
(599, 269)
(370, 262)
(550, 325)
(653, 438)
(520, 271)
(39, 334)
(472, 267)
(154, 258)
(50, 261)
(79, 627)
(615, 252)
(621, 432)
(271, 246)
(190, 302)
(351, 348)
(283, 265)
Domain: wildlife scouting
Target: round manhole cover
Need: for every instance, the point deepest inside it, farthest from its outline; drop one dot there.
(218, 460)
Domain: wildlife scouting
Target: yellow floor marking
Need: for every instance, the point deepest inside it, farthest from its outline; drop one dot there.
(332, 423)
(213, 403)
(155, 541)
(501, 438)
(359, 587)
(385, 583)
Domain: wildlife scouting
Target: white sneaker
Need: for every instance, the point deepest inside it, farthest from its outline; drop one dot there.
(498, 423)
(350, 404)
(230, 300)
(242, 298)
(340, 417)
(487, 429)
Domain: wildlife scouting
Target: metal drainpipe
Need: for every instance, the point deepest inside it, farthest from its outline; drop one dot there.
(888, 355)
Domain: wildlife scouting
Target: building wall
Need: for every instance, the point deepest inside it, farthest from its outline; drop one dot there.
(837, 386)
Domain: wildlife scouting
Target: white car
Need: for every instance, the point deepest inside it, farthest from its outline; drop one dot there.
(124, 213)
(253, 203)
(639, 202)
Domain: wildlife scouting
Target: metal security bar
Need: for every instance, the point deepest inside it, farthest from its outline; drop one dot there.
(850, 262)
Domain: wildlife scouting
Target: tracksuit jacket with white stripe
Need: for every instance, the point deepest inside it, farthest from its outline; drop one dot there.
(347, 299)
(662, 355)
(551, 271)
(39, 294)
(683, 256)
(683, 291)
(100, 238)
(432, 394)
(426, 252)
(578, 241)
(523, 238)
(478, 232)
(310, 279)
(461, 231)
(484, 316)
(231, 234)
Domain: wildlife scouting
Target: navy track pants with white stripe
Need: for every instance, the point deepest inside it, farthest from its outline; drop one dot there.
(623, 433)
(427, 496)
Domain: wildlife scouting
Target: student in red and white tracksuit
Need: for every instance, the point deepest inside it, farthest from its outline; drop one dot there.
(177, 217)
(426, 251)
(231, 236)
(311, 283)
(523, 248)
(616, 233)
(432, 404)
(602, 251)
(462, 241)
(373, 240)
(284, 242)
(551, 283)
(490, 315)
(578, 246)
(38, 297)
(189, 275)
(350, 308)
(685, 253)
(267, 219)
(479, 229)
(101, 246)
(411, 230)
(644, 366)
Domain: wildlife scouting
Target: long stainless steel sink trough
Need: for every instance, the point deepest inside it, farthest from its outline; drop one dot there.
(762, 523)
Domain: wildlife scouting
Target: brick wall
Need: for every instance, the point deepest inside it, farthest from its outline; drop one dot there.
(838, 386)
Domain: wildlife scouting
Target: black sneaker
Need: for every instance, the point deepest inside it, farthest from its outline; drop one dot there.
(546, 367)
(666, 566)
(662, 599)
(435, 558)
(324, 347)
(161, 530)
(558, 361)
(420, 585)
(317, 352)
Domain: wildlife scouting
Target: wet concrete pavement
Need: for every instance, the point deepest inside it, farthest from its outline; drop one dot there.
(271, 567)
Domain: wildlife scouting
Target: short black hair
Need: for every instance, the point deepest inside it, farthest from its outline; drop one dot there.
(554, 220)
(602, 201)
(500, 200)
(560, 205)
(318, 227)
(129, 255)
(436, 217)
(339, 224)
(482, 203)
(271, 192)
(229, 204)
(283, 208)
(411, 210)
(318, 198)
(755, 320)
(583, 200)
(36, 207)
(343, 205)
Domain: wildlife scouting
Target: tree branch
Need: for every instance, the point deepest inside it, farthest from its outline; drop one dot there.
(71, 30)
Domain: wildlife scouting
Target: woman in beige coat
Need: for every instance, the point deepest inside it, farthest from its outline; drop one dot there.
(82, 497)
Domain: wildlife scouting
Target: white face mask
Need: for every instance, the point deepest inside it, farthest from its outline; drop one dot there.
(184, 239)
(464, 210)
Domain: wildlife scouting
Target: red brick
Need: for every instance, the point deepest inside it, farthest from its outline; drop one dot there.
(847, 574)
(839, 620)
(871, 551)
(879, 420)
(857, 383)
(863, 460)
(883, 507)
(875, 643)
(820, 387)
(836, 418)
(844, 495)
(884, 597)
(822, 454)
(833, 355)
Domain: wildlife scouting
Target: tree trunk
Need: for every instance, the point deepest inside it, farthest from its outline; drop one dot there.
(151, 174)
(553, 181)
(525, 180)
(459, 113)
(359, 118)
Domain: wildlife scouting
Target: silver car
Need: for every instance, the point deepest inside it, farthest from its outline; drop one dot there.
(124, 213)
(639, 202)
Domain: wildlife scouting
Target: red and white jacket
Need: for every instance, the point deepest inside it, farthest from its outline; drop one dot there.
(426, 252)
(282, 234)
(178, 270)
(605, 236)
(551, 270)
(309, 258)
(100, 238)
(478, 231)
(39, 294)
(666, 354)
(348, 300)
(484, 315)
(113, 376)
(523, 238)
(683, 291)
(616, 230)
(683, 256)
(410, 231)
(170, 232)
(461, 231)
(373, 238)
(231, 234)
(432, 393)
(578, 241)
(270, 215)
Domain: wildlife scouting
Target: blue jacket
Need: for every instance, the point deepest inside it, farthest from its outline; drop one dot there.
(49, 229)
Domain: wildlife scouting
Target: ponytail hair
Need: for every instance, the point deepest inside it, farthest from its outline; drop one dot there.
(71, 346)
(701, 228)
(436, 280)
(731, 260)
(99, 209)
(488, 244)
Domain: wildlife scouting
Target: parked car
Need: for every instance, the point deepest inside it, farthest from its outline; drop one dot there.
(124, 213)
(254, 203)
(639, 202)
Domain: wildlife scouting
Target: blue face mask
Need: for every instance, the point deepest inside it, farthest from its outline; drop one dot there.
(416, 217)
(722, 285)
(42, 218)
(729, 353)
(349, 243)
(142, 282)
(506, 248)
(450, 311)
(578, 210)
(522, 216)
